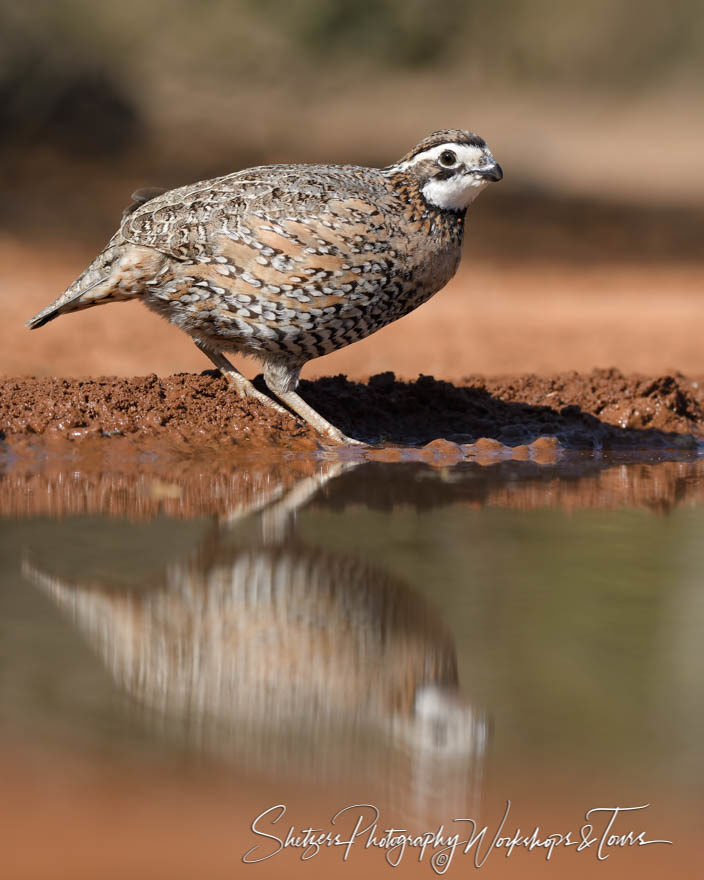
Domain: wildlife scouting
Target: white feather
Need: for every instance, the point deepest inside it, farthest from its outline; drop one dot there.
(469, 156)
(459, 191)
(454, 194)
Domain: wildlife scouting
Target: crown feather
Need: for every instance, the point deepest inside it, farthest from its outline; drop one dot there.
(451, 136)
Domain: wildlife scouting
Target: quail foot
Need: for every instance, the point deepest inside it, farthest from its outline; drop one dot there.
(290, 262)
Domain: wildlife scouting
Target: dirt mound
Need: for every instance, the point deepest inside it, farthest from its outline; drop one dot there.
(601, 409)
(185, 410)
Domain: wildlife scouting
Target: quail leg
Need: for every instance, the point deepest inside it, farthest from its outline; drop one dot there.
(281, 379)
(239, 382)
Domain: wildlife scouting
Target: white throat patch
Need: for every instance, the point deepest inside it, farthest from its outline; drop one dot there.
(454, 194)
(460, 190)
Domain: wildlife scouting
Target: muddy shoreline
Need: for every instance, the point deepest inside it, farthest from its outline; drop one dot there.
(603, 409)
(185, 445)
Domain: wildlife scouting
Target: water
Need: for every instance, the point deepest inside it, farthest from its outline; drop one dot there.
(432, 641)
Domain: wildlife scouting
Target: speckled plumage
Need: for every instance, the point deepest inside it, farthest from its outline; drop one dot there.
(289, 262)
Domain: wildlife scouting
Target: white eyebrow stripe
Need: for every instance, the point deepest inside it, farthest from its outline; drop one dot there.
(468, 155)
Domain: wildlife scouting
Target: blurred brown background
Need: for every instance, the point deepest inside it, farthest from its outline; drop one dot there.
(588, 254)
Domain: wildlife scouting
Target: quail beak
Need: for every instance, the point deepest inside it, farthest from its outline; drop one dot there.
(490, 172)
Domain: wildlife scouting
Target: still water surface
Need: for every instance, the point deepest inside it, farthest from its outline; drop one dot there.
(432, 641)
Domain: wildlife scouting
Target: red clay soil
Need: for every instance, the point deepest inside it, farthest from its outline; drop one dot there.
(186, 445)
(601, 409)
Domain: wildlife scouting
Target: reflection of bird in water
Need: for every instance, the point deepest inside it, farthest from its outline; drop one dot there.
(288, 657)
(290, 262)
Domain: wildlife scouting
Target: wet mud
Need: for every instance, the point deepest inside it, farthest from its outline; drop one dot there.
(603, 409)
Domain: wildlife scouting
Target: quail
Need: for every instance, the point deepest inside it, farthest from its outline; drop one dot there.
(290, 262)
(257, 636)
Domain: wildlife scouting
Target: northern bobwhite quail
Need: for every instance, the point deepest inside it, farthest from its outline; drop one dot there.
(274, 647)
(290, 262)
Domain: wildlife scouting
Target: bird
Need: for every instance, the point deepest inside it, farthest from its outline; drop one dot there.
(287, 263)
(279, 654)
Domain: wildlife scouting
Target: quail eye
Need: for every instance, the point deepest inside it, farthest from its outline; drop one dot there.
(447, 158)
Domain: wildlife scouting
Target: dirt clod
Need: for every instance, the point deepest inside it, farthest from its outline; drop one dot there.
(601, 409)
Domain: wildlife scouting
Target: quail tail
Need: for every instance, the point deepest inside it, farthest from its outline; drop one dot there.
(69, 301)
(118, 273)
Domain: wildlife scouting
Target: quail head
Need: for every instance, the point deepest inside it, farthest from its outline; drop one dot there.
(290, 262)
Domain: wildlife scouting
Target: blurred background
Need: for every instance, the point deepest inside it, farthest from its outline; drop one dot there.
(588, 254)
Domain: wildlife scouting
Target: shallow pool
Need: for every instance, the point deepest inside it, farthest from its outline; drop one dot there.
(437, 643)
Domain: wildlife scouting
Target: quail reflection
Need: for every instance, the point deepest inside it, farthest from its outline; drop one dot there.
(288, 658)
